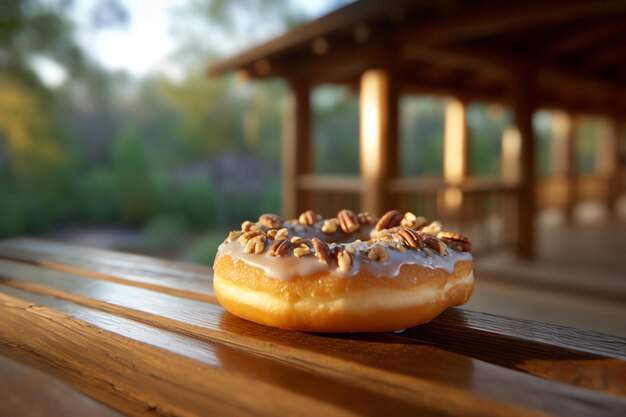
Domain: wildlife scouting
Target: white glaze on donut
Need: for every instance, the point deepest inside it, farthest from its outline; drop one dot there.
(285, 268)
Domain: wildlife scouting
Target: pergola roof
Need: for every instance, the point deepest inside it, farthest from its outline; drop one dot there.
(574, 51)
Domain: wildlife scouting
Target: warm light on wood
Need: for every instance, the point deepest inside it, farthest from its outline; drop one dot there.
(378, 134)
(374, 86)
(511, 147)
(455, 143)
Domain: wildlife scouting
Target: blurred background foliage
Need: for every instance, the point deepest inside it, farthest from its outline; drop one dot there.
(165, 166)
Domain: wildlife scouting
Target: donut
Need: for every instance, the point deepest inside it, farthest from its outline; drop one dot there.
(351, 273)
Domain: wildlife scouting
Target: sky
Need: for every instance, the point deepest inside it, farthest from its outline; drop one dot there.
(145, 45)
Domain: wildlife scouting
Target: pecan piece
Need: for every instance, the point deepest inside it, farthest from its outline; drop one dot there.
(234, 235)
(256, 244)
(456, 241)
(413, 221)
(348, 221)
(248, 226)
(434, 243)
(367, 218)
(330, 226)
(432, 229)
(344, 260)
(390, 219)
(271, 220)
(309, 218)
(378, 253)
(244, 238)
(302, 250)
(280, 247)
(410, 238)
(322, 251)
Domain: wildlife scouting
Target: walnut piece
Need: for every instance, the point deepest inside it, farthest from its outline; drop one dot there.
(348, 221)
(432, 229)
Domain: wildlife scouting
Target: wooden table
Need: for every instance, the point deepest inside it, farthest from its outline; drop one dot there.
(93, 332)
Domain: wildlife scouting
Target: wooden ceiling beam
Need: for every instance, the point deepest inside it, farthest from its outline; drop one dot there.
(508, 17)
(583, 36)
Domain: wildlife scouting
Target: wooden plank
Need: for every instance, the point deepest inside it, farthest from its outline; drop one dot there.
(183, 280)
(25, 391)
(120, 367)
(258, 369)
(412, 368)
(543, 333)
(337, 183)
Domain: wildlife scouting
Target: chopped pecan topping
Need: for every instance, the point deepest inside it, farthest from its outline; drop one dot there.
(322, 251)
(344, 260)
(434, 243)
(432, 229)
(309, 218)
(280, 247)
(390, 219)
(302, 250)
(348, 221)
(330, 226)
(412, 221)
(248, 226)
(409, 238)
(456, 241)
(255, 244)
(270, 220)
(297, 240)
(234, 235)
(367, 218)
(244, 238)
(378, 253)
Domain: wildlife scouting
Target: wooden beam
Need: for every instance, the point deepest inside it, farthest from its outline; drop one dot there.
(523, 108)
(583, 36)
(493, 20)
(378, 112)
(297, 148)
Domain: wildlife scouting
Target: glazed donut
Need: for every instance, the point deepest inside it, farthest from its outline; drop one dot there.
(352, 273)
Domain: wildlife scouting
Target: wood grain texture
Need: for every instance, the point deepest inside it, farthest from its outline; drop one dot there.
(25, 391)
(406, 368)
(183, 280)
(257, 368)
(126, 331)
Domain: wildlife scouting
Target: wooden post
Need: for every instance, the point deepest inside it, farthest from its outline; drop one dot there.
(564, 155)
(378, 142)
(523, 107)
(610, 160)
(455, 153)
(297, 149)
